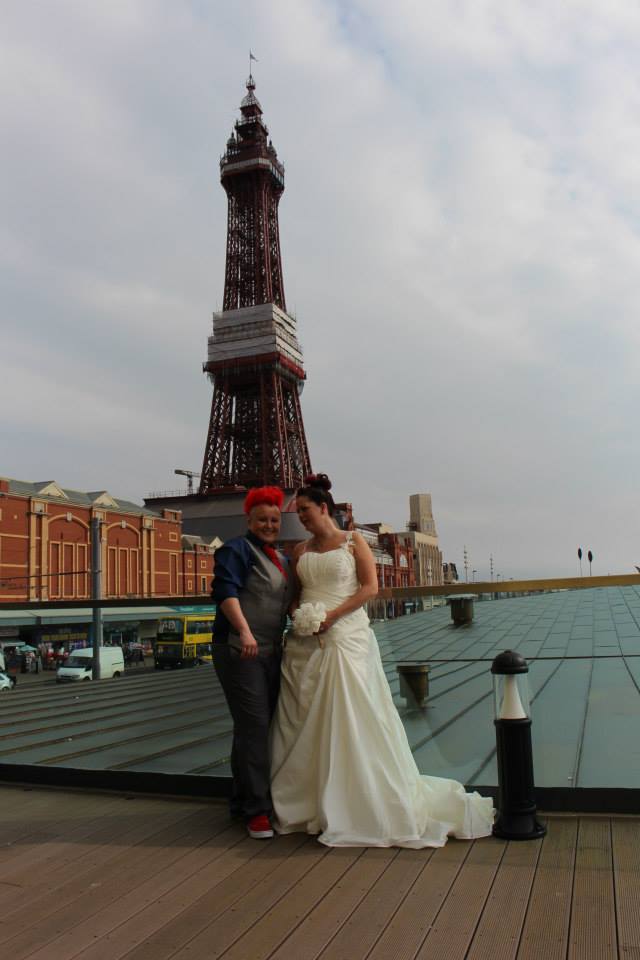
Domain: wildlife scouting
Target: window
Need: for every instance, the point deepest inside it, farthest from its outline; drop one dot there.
(203, 564)
(199, 627)
(203, 584)
(173, 536)
(189, 584)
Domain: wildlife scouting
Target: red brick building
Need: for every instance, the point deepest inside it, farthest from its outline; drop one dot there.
(45, 548)
(400, 550)
(394, 558)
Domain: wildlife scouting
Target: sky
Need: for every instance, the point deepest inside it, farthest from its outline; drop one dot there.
(461, 247)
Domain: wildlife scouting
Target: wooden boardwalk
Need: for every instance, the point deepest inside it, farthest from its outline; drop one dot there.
(107, 876)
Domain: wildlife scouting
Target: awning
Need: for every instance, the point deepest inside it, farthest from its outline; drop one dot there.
(78, 615)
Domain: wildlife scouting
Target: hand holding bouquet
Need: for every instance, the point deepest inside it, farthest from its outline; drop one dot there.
(307, 619)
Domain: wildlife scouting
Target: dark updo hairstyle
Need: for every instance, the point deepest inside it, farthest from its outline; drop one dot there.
(316, 488)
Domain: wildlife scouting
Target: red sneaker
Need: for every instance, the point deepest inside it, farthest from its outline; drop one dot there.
(259, 827)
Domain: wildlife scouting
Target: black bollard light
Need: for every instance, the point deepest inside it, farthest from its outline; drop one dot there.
(516, 815)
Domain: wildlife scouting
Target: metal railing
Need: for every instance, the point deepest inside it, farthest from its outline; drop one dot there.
(512, 586)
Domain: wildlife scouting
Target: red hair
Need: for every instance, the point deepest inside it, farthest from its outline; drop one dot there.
(272, 496)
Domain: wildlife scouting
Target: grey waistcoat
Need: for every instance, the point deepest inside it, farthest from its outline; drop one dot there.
(264, 600)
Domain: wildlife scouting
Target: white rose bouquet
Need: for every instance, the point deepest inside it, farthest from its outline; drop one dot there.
(307, 618)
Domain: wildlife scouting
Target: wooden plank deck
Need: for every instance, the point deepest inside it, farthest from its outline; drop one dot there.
(109, 877)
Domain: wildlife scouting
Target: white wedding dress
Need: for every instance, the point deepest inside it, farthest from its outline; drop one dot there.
(341, 763)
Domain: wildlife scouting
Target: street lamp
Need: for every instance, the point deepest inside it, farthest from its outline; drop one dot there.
(516, 815)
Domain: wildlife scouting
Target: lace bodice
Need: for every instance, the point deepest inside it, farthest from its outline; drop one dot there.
(328, 577)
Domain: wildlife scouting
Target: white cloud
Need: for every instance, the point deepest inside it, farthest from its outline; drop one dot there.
(460, 241)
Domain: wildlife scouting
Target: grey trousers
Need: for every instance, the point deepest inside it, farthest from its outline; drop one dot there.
(251, 688)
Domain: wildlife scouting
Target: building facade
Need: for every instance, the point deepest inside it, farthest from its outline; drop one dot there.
(411, 557)
(45, 546)
(422, 534)
(427, 557)
(392, 554)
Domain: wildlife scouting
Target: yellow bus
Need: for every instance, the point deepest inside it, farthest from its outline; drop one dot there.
(183, 641)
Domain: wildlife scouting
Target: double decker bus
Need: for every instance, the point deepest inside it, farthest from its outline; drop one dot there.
(183, 641)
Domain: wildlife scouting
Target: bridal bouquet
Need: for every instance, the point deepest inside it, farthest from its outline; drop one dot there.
(307, 618)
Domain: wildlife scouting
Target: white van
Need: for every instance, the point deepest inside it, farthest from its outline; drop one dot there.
(79, 663)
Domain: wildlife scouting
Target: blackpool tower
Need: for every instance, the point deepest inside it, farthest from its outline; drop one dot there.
(256, 434)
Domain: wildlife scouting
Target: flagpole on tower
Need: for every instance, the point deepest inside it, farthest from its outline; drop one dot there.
(251, 57)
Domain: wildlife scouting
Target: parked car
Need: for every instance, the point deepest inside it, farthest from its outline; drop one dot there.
(6, 682)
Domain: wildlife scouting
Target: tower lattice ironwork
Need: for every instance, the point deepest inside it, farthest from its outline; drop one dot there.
(256, 434)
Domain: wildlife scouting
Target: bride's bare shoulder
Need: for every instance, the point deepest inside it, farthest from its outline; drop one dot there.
(356, 537)
(359, 543)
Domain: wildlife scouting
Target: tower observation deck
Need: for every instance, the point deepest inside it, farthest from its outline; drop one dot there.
(256, 434)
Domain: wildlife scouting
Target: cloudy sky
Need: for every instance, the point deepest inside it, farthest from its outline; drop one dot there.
(461, 244)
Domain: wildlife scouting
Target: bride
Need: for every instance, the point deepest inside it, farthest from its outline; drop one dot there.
(341, 763)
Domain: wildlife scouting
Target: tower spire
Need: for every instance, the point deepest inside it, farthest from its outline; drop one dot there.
(256, 434)
(253, 179)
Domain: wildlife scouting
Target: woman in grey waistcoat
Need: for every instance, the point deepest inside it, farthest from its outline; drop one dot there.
(253, 589)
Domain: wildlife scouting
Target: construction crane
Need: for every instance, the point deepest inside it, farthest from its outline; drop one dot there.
(189, 474)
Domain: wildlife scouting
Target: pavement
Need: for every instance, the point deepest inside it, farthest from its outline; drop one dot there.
(49, 676)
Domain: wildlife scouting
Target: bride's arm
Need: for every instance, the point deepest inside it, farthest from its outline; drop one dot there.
(366, 571)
